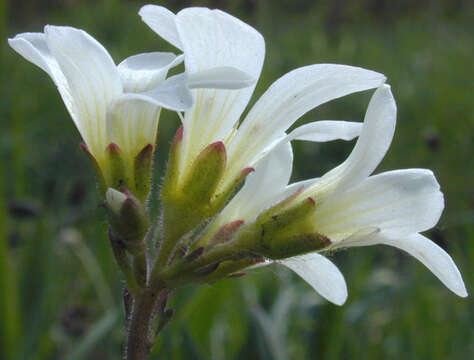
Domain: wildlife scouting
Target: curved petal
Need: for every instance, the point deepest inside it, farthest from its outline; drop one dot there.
(163, 22)
(172, 94)
(373, 142)
(93, 80)
(399, 202)
(321, 274)
(213, 39)
(143, 72)
(292, 96)
(431, 255)
(132, 124)
(326, 130)
(33, 47)
(223, 77)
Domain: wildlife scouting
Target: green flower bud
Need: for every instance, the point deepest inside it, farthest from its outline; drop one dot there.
(127, 217)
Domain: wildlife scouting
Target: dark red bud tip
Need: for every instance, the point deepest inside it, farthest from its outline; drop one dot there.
(127, 192)
(113, 148)
(217, 146)
(129, 203)
(293, 196)
(311, 200)
(147, 149)
(178, 136)
(247, 171)
(232, 226)
(237, 274)
(84, 148)
(195, 254)
(226, 232)
(325, 239)
(259, 261)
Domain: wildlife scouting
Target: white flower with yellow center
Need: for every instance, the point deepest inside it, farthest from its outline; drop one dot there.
(348, 207)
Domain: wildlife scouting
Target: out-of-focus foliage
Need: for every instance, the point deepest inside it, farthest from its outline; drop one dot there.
(60, 290)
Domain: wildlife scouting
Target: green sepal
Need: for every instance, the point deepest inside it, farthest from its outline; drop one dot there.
(223, 235)
(227, 193)
(188, 204)
(117, 176)
(282, 231)
(101, 183)
(170, 180)
(282, 247)
(231, 268)
(142, 170)
(277, 220)
(205, 174)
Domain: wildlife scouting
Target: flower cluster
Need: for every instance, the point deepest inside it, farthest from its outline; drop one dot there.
(226, 202)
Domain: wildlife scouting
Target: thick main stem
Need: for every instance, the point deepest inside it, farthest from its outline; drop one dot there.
(139, 340)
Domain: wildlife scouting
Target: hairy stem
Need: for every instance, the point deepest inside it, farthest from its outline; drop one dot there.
(139, 332)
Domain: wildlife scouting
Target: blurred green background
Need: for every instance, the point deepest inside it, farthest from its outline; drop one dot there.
(60, 290)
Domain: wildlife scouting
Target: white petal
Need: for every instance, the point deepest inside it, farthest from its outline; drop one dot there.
(373, 142)
(321, 274)
(132, 124)
(92, 76)
(399, 202)
(432, 256)
(326, 130)
(223, 77)
(115, 199)
(33, 47)
(213, 39)
(162, 21)
(172, 94)
(292, 96)
(261, 187)
(143, 72)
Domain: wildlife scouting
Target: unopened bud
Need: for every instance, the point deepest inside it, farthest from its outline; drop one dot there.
(127, 217)
(115, 200)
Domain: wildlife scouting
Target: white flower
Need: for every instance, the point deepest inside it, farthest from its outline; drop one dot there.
(212, 38)
(94, 89)
(108, 103)
(352, 207)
